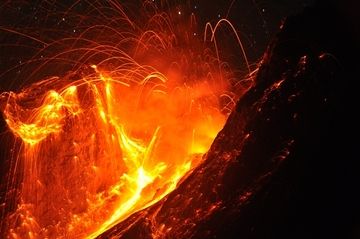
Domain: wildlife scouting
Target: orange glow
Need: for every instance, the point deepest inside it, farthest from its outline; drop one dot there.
(134, 151)
(101, 145)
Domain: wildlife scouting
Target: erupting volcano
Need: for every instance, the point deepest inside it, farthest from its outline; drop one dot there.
(145, 120)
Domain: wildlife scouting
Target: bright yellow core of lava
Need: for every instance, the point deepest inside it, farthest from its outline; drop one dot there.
(103, 147)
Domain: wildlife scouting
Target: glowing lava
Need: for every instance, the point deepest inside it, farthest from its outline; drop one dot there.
(110, 139)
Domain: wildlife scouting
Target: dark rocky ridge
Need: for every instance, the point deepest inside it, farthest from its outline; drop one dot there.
(285, 164)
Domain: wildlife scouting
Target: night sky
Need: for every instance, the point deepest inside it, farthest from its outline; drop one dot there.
(256, 22)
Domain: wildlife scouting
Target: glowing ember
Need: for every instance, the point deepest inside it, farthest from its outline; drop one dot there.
(111, 138)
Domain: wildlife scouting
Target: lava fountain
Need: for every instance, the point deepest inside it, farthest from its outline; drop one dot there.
(137, 107)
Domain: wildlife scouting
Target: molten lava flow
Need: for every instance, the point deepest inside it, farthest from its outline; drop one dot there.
(107, 140)
(107, 146)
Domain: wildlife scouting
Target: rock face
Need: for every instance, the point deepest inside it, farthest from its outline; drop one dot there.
(285, 164)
